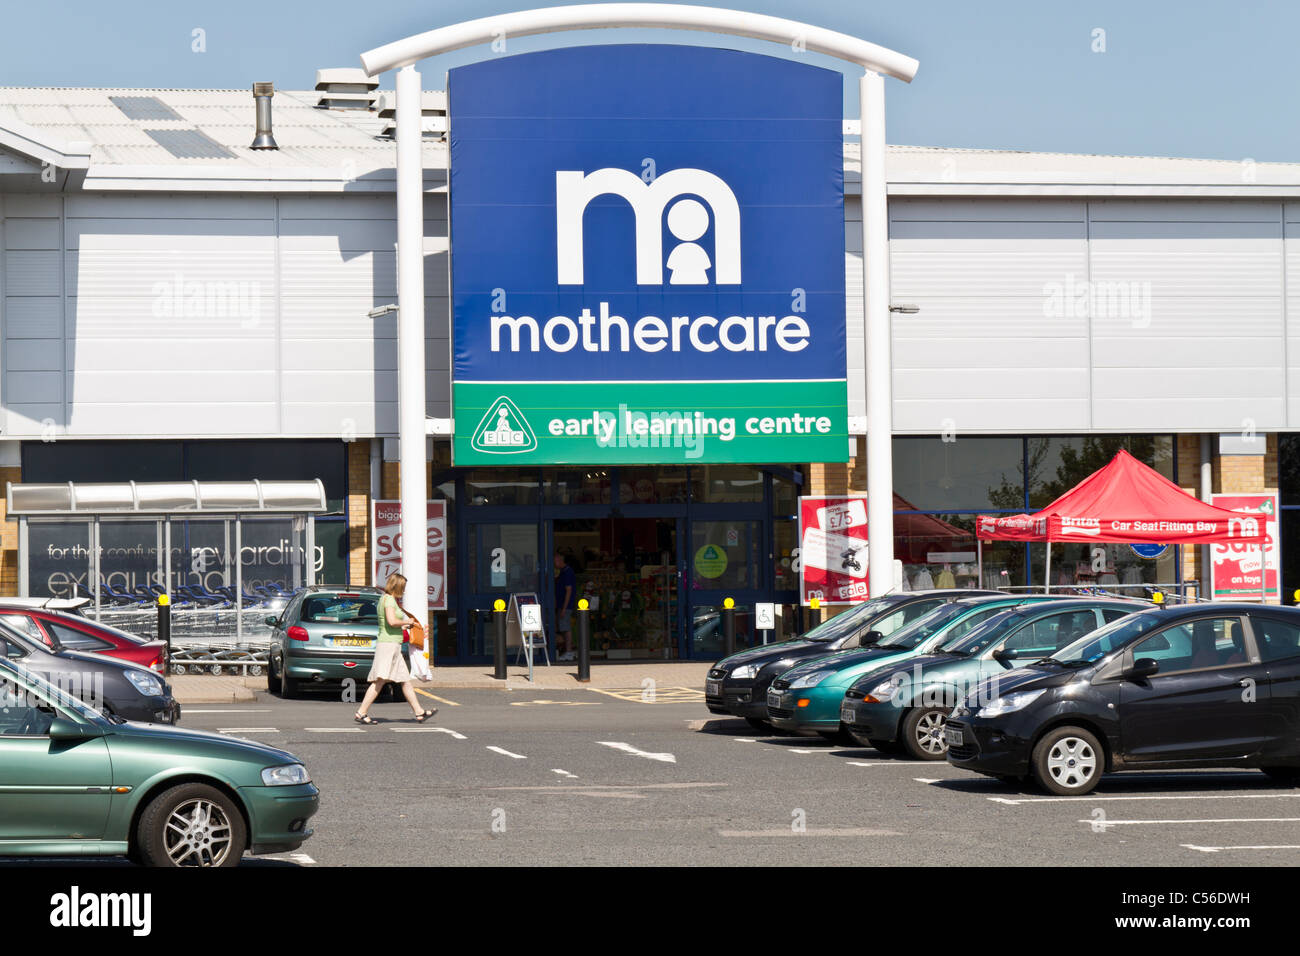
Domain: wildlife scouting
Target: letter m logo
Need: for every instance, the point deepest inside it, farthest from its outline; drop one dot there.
(574, 190)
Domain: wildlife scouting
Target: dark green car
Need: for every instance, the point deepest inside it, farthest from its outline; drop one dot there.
(76, 783)
(323, 634)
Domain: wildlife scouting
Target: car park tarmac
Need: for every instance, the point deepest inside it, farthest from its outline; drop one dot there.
(604, 777)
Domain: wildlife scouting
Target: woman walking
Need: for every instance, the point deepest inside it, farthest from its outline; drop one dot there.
(388, 664)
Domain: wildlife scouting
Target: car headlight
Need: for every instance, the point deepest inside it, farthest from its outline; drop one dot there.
(746, 671)
(884, 692)
(1010, 704)
(145, 682)
(290, 775)
(811, 679)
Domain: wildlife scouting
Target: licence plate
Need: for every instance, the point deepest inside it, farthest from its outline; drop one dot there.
(773, 699)
(847, 714)
(351, 642)
(713, 688)
(953, 736)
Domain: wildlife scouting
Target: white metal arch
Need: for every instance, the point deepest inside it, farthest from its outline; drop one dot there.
(671, 16)
(876, 61)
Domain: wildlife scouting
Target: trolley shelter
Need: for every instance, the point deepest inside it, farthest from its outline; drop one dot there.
(221, 550)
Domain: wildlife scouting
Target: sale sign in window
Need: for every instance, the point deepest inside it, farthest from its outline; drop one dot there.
(387, 551)
(833, 550)
(1241, 571)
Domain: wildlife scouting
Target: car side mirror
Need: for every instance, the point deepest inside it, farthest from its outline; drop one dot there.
(1142, 668)
(63, 729)
(270, 619)
(1005, 654)
(870, 638)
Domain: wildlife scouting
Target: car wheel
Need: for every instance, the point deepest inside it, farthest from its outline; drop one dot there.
(759, 724)
(272, 678)
(886, 746)
(1068, 761)
(923, 733)
(192, 824)
(1284, 775)
(288, 686)
(393, 691)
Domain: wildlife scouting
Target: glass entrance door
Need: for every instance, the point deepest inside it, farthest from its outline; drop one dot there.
(505, 558)
(630, 571)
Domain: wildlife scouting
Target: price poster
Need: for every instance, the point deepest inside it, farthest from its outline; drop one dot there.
(1237, 565)
(833, 550)
(387, 551)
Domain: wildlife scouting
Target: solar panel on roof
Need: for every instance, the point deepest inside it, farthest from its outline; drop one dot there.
(144, 108)
(189, 144)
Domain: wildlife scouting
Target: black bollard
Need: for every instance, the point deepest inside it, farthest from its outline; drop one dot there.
(165, 629)
(728, 627)
(499, 615)
(584, 641)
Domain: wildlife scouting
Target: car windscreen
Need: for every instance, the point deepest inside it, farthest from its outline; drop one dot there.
(82, 622)
(1107, 638)
(841, 625)
(911, 636)
(979, 638)
(340, 608)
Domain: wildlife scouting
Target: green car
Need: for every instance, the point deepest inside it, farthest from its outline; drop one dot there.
(904, 705)
(323, 634)
(76, 783)
(807, 697)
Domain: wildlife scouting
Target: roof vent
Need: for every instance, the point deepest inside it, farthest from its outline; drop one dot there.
(433, 113)
(345, 88)
(262, 93)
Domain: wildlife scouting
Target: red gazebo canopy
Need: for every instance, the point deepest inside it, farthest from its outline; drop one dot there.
(1129, 503)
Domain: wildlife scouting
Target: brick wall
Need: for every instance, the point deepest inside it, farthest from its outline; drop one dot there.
(358, 510)
(8, 537)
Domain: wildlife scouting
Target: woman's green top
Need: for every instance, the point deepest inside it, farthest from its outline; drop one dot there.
(387, 634)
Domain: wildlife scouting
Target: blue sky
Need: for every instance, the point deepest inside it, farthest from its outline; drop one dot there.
(1199, 78)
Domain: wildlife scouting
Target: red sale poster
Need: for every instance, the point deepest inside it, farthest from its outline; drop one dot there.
(1237, 566)
(387, 550)
(833, 550)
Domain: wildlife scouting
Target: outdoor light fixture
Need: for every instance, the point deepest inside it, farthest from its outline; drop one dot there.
(906, 308)
(382, 311)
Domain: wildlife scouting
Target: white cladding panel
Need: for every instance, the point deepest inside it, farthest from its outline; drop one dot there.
(247, 316)
(184, 315)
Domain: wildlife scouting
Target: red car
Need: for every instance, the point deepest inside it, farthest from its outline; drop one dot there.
(73, 632)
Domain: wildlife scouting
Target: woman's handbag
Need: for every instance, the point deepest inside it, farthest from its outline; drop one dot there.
(414, 632)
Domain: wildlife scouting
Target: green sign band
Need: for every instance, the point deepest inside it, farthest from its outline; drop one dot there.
(648, 423)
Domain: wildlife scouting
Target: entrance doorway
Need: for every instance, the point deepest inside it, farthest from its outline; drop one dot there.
(629, 569)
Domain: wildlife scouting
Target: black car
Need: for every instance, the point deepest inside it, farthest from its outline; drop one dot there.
(737, 685)
(115, 688)
(1168, 688)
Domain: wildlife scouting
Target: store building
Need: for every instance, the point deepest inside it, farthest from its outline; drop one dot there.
(177, 306)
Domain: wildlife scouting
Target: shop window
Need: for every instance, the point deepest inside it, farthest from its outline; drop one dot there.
(664, 485)
(968, 474)
(726, 483)
(577, 486)
(1058, 464)
(937, 551)
(725, 554)
(1114, 567)
(502, 486)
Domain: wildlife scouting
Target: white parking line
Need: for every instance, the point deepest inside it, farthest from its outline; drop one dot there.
(507, 753)
(1216, 849)
(247, 730)
(302, 859)
(233, 710)
(826, 831)
(564, 773)
(1179, 796)
(1130, 823)
(427, 730)
(926, 779)
(629, 749)
(334, 730)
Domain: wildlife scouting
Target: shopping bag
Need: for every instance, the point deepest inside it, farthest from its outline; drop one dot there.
(420, 669)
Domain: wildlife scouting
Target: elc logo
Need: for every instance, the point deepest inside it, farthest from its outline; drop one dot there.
(688, 221)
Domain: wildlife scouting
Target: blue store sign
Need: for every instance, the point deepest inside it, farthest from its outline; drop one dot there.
(647, 257)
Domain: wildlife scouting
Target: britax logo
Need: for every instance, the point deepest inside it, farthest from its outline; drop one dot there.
(1088, 526)
(688, 220)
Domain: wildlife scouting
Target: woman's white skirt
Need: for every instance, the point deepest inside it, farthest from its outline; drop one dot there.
(389, 664)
